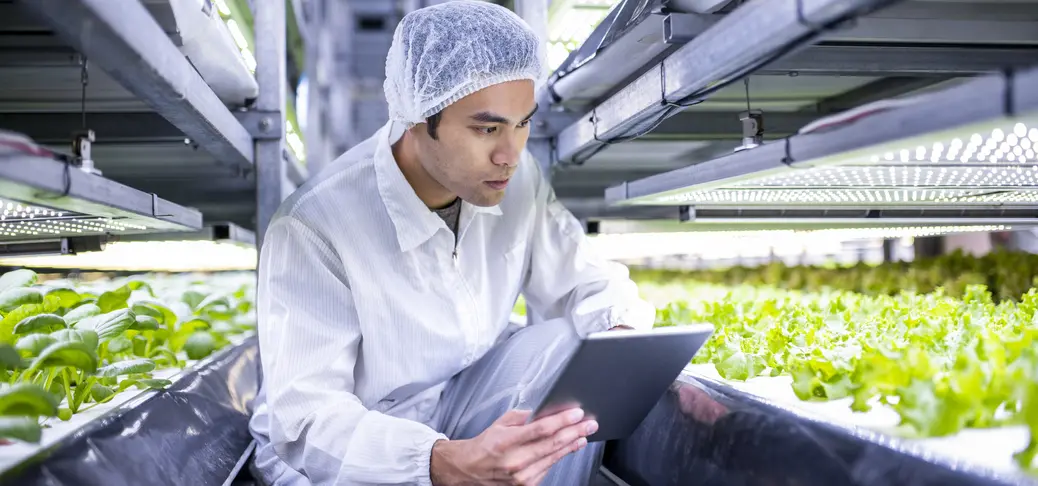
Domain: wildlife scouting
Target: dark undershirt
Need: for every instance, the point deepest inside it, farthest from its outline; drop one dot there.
(451, 215)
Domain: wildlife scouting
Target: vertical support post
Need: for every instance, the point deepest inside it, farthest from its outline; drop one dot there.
(270, 75)
(535, 13)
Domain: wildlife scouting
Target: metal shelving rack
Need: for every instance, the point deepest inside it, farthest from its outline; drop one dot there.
(660, 91)
(113, 66)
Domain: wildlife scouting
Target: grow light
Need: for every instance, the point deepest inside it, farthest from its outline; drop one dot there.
(42, 198)
(969, 169)
(18, 220)
(162, 256)
(731, 244)
(972, 146)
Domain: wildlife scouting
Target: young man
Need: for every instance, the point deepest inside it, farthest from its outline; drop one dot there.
(386, 283)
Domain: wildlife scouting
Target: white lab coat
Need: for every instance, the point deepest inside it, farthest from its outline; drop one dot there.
(365, 311)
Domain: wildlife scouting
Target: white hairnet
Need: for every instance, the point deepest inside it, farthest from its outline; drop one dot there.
(443, 53)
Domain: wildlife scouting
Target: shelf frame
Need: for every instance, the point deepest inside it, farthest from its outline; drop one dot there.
(123, 38)
(49, 183)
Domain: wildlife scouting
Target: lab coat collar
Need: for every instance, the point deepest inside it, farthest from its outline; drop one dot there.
(414, 222)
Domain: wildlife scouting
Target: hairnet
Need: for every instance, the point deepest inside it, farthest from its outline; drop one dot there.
(443, 53)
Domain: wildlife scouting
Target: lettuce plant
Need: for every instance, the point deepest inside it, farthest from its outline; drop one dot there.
(66, 348)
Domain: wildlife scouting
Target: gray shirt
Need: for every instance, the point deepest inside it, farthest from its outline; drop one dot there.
(451, 215)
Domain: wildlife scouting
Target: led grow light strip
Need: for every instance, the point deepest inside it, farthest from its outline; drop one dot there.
(724, 244)
(1015, 145)
(17, 220)
(977, 163)
(165, 256)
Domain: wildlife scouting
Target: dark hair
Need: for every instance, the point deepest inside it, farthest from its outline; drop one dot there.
(433, 122)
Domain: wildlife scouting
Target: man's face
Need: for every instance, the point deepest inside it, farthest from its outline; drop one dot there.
(478, 142)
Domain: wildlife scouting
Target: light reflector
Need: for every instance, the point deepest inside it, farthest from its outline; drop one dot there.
(22, 220)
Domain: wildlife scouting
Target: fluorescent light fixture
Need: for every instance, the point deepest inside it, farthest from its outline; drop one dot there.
(733, 244)
(965, 146)
(140, 256)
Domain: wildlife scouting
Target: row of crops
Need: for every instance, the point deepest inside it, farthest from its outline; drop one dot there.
(66, 347)
(934, 343)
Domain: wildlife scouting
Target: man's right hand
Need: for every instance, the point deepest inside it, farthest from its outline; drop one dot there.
(511, 452)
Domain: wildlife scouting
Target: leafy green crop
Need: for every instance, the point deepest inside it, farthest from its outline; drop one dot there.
(66, 348)
(942, 363)
(1008, 275)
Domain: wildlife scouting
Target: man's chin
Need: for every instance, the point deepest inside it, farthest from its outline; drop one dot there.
(486, 199)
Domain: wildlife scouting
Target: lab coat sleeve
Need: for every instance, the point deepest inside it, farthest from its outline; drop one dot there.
(309, 345)
(568, 279)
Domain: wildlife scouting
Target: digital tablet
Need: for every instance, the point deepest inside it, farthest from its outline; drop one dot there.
(616, 377)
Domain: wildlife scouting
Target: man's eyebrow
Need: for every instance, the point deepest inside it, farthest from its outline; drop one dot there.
(488, 117)
(535, 108)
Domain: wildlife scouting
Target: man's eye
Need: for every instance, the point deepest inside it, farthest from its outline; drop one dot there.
(524, 124)
(486, 130)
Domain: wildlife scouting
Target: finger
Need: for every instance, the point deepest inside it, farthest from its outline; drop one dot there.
(536, 472)
(533, 452)
(547, 426)
(514, 417)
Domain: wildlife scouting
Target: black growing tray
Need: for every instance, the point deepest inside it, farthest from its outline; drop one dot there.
(194, 432)
(703, 432)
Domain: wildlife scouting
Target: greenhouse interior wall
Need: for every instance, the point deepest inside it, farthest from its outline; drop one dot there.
(845, 190)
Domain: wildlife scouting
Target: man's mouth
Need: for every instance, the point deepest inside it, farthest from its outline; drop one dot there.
(497, 185)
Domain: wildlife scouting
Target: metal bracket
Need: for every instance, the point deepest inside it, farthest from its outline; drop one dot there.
(262, 125)
(686, 214)
(81, 148)
(752, 129)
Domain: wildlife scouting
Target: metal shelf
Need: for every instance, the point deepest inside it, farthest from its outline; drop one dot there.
(125, 40)
(59, 200)
(920, 154)
(612, 114)
(215, 232)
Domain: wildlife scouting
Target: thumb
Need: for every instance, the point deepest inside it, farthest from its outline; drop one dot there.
(514, 417)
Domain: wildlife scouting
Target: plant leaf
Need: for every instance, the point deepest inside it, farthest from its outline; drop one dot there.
(27, 399)
(66, 297)
(79, 313)
(152, 384)
(25, 429)
(101, 393)
(11, 299)
(9, 357)
(17, 278)
(145, 323)
(33, 344)
(42, 323)
(159, 311)
(199, 345)
(163, 355)
(85, 336)
(67, 353)
(127, 367)
(110, 325)
(192, 298)
(114, 299)
(119, 344)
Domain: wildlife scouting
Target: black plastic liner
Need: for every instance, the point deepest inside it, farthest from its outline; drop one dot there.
(193, 433)
(707, 433)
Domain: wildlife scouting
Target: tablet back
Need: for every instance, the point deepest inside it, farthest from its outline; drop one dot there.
(618, 376)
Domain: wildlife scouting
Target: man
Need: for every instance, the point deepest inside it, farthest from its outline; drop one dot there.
(387, 282)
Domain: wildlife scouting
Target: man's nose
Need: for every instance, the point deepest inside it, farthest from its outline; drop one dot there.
(506, 154)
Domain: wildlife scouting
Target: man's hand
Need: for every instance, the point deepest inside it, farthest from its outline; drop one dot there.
(511, 452)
